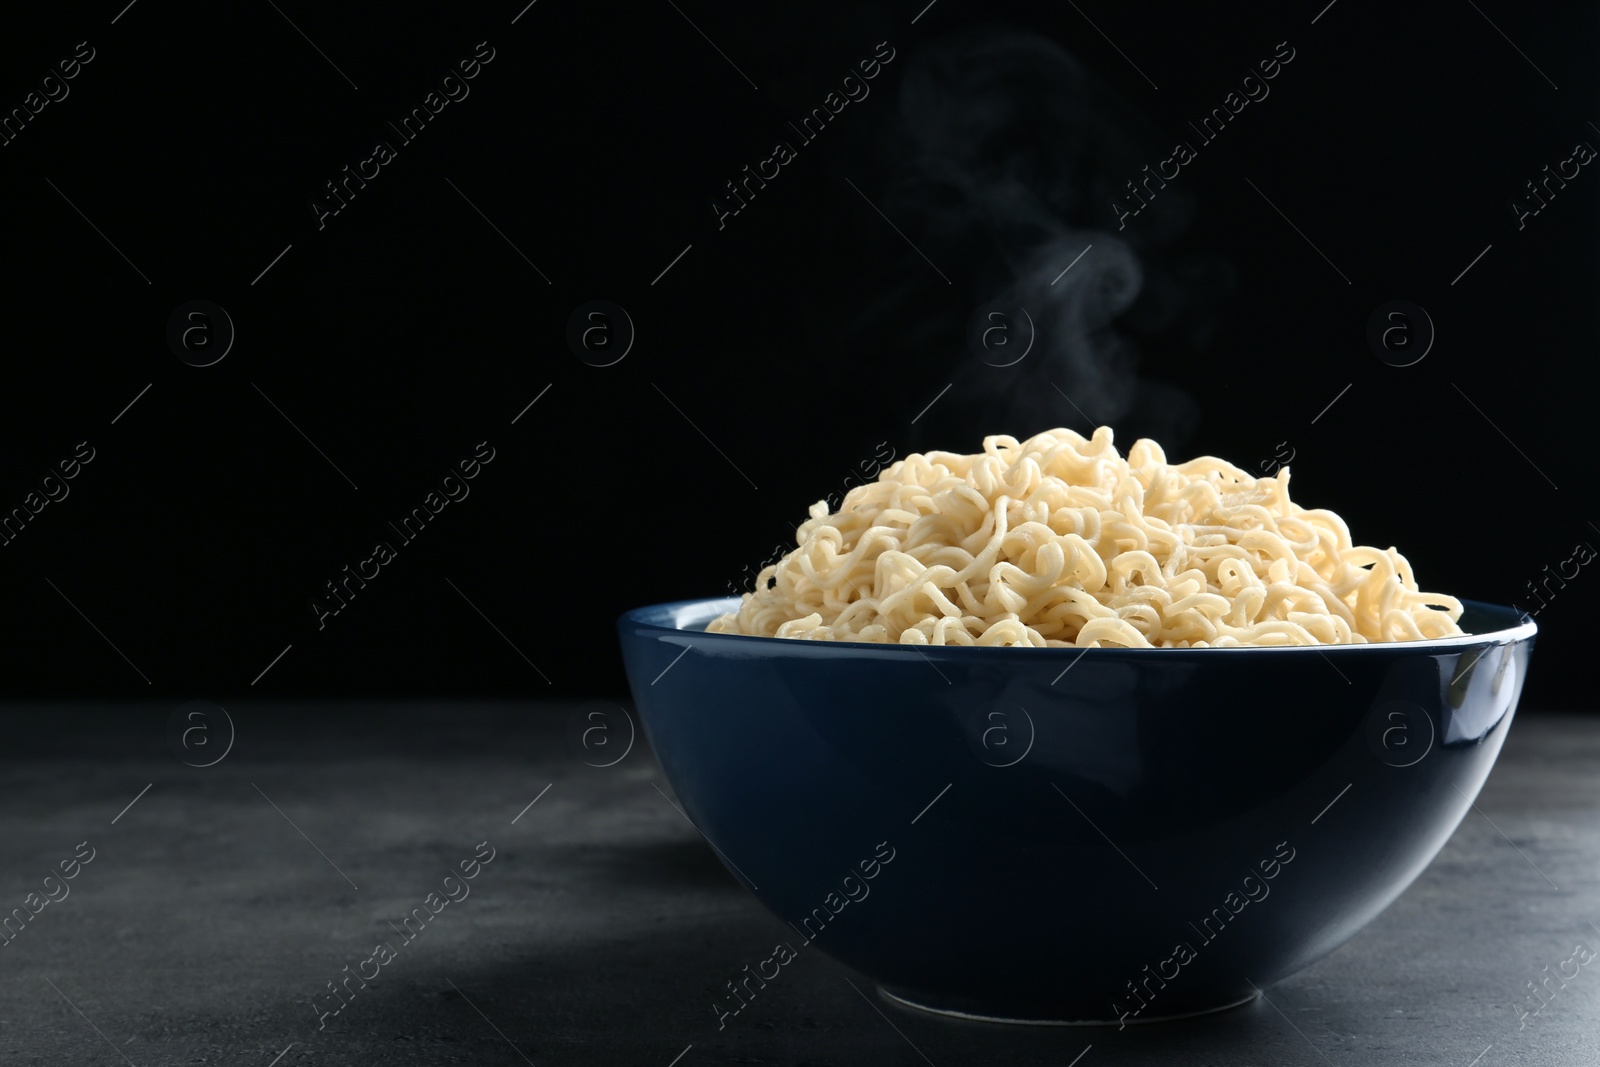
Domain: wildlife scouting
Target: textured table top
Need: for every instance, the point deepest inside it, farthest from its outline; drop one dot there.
(218, 906)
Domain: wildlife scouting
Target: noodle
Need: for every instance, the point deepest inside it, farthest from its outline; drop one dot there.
(1059, 541)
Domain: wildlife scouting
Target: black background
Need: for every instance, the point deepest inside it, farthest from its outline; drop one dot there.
(797, 338)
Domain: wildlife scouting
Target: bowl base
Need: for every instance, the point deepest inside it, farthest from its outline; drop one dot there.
(1069, 1018)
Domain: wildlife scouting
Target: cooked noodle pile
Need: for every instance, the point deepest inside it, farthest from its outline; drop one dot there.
(1058, 540)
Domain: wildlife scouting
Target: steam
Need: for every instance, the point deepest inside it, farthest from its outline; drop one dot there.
(1009, 156)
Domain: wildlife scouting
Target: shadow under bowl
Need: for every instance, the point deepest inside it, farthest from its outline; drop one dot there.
(1072, 835)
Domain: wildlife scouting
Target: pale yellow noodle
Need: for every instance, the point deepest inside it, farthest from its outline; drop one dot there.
(1058, 540)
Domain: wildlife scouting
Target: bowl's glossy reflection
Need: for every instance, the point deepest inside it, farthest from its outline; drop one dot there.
(1073, 835)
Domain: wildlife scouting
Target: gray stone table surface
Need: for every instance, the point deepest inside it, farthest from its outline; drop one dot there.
(224, 899)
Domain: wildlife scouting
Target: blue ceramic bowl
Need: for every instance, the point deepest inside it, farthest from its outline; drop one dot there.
(1072, 835)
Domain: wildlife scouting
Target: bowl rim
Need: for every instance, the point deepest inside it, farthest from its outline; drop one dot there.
(689, 617)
